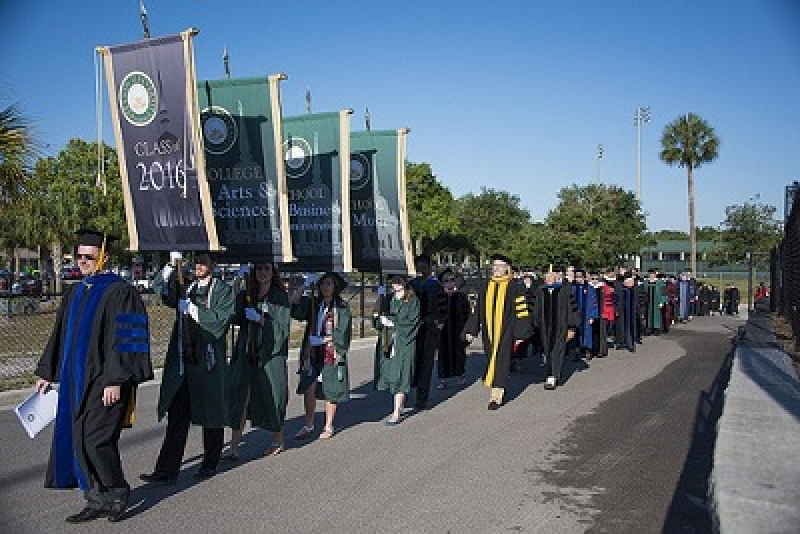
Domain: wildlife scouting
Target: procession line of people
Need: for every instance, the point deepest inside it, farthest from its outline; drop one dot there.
(99, 352)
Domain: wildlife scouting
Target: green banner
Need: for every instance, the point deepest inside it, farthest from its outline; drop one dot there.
(378, 215)
(241, 125)
(316, 153)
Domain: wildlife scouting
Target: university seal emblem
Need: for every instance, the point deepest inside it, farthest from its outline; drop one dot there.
(219, 129)
(297, 154)
(359, 171)
(138, 98)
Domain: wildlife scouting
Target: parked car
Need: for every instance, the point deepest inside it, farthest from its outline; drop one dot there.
(71, 273)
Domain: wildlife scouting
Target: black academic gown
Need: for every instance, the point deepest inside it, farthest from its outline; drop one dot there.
(554, 313)
(452, 349)
(100, 338)
(501, 326)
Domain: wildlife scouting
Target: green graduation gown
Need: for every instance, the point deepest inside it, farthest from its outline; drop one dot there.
(333, 381)
(205, 373)
(393, 371)
(262, 369)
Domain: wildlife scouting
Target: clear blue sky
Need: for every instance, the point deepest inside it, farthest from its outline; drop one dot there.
(512, 95)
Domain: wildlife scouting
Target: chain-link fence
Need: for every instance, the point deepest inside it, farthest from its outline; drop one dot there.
(785, 273)
(26, 322)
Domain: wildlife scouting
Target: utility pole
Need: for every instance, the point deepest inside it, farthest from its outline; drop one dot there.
(308, 100)
(226, 62)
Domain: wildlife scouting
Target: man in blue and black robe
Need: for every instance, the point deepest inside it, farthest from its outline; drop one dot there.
(98, 352)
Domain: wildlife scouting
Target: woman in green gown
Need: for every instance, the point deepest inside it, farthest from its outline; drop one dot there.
(323, 374)
(397, 321)
(258, 373)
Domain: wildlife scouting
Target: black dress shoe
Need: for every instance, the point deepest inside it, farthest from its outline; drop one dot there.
(159, 478)
(494, 406)
(117, 510)
(204, 473)
(87, 514)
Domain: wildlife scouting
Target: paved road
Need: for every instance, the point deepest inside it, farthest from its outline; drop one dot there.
(622, 447)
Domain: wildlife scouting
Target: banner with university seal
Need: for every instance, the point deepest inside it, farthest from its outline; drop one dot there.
(241, 125)
(316, 151)
(153, 101)
(378, 214)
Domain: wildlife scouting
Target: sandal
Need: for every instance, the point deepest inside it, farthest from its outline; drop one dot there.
(274, 449)
(304, 432)
(327, 433)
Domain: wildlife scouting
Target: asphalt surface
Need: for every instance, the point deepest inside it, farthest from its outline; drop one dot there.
(624, 446)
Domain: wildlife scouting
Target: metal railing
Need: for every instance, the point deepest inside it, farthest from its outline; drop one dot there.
(26, 322)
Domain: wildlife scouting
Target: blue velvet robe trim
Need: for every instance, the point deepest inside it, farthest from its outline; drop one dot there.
(72, 385)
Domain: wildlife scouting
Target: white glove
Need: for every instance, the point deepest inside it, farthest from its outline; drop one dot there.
(316, 341)
(188, 307)
(310, 279)
(175, 257)
(381, 290)
(469, 338)
(251, 314)
(166, 272)
(244, 270)
(385, 321)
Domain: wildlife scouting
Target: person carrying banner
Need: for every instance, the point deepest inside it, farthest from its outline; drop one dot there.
(326, 341)
(396, 317)
(258, 379)
(502, 315)
(98, 351)
(193, 381)
(432, 306)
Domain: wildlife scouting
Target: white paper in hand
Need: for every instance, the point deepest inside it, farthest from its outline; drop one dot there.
(37, 411)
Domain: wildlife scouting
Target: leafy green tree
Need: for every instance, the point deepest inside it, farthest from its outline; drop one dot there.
(595, 224)
(708, 233)
(669, 235)
(430, 206)
(64, 196)
(492, 220)
(689, 141)
(749, 230)
(19, 148)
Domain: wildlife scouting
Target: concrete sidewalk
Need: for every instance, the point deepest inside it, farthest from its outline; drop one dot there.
(755, 481)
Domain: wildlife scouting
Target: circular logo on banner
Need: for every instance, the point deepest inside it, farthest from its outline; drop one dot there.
(219, 129)
(138, 98)
(359, 171)
(297, 155)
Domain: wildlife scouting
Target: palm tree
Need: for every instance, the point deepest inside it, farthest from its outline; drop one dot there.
(689, 141)
(18, 150)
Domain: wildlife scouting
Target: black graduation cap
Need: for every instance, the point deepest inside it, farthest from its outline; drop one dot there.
(338, 280)
(580, 270)
(94, 238)
(424, 258)
(500, 257)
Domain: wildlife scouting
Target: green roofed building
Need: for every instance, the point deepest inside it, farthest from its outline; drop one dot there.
(674, 257)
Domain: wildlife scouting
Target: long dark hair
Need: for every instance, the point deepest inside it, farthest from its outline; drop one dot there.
(275, 280)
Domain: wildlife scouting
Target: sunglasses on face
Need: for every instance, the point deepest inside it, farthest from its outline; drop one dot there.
(87, 257)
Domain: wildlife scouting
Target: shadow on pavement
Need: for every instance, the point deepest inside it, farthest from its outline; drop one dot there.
(688, 510)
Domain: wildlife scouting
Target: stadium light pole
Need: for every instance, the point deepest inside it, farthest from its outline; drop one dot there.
(642, 116)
